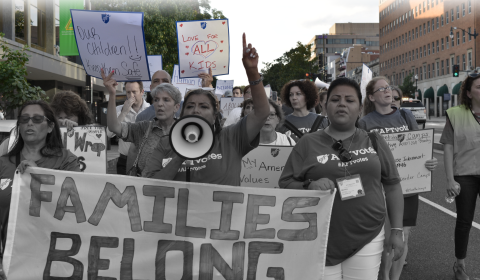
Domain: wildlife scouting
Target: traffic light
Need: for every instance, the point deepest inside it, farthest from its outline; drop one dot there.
(309, 76)
(456, 70)
(320, 61)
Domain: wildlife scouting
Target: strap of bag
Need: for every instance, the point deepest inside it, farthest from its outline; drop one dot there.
(135, 163)
(372, 137)
(317, 123)
(293, 129)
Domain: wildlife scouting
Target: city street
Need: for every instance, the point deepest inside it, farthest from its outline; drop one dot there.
(431, 252)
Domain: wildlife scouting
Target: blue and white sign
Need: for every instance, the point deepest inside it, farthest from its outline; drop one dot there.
(222, 86)
(113, 41)
(155, 64)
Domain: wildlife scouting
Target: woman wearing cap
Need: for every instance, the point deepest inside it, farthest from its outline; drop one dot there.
(223, 164)
(380, 116)
(461, 140)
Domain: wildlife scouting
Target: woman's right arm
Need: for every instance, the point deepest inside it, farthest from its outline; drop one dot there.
(112, 121)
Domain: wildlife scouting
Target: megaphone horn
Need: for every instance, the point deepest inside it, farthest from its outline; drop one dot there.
(191, 137)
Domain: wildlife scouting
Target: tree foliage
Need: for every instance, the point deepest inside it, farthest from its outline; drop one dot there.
(408, 86)
(292, 65)
(14, 88)
(159, 21)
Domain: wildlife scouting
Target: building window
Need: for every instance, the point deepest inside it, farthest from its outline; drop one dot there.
(446, 16)
(424, 29)
(438, 47)
(458, 38)
(403, 39)
(453, 41)
(416, 11)
(416, 52)
(428, 48)
(409, 38)
(463, 62)
(38, 22)
(428, 4)
(463, 9)
(442, 44)
(458, 60)
(20, 19)
(447, 41)
(438, 24)
(469, 6)
(441, 19)
(469, 32)
(452, 15)
(452, 60)
(438, 69)
(428, 71)
(424, 6)
(416, 32)
(428, 27)
(469, 60)
(57, 22)
(458, 12)
(424, 50)
(463, 36)
(443, 72)
(448, 67)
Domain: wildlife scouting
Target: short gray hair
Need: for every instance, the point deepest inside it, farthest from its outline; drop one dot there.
(170, 89)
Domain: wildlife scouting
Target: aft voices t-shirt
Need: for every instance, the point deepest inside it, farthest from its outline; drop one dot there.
(304, 124)
(391, 123)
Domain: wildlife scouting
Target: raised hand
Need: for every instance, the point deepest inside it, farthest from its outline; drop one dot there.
(207, 78)
(250, 55)
(109, 82)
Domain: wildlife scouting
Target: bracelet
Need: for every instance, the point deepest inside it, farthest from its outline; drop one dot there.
(253, 83)
(400, 229)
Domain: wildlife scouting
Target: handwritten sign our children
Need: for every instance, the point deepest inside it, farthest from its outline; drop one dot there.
(70, 225)
(227, 104)
(183, 84)
(203, 44)
(263, 166)
(155, 64)
(411, 149)
(223, 85)
(113, 41)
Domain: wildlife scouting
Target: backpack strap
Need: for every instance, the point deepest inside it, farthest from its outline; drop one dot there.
(373, 138)
(289, 141)
(404, 116)
(293, 129)
(317, 123)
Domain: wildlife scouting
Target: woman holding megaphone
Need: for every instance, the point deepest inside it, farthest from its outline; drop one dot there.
(222, 164)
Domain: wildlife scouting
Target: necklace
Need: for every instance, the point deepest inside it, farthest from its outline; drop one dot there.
(353, 138)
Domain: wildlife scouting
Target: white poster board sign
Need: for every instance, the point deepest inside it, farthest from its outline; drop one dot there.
(123, 227)
(184, 83)
(268, 91)
(89, 144)
(113, 41)
(155, 64)
(366, 77)
(262, 167)
(222, 86)
(411, 149)
(229, 103)
(203, 44)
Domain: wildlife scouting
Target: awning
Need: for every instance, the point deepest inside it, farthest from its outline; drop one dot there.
(456, 88)
(442, 90)
(429, 93)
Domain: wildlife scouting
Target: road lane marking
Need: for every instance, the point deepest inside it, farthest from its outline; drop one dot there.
(441, 208)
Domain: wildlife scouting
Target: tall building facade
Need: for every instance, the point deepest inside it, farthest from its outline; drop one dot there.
(426, 38)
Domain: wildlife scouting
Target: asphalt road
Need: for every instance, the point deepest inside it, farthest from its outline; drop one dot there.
(431, 251)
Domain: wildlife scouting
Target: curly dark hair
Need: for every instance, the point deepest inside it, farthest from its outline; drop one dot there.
(467, 86)
(308, 89)
(53, 144)
(72, 104)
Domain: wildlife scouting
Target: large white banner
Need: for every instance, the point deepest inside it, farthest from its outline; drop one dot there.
(155, 64)
(203, 44)
(411, 149)
(113, 41)
(79, 226)
(89, 144)
(263, 166)
(184, 84)
(227, 104)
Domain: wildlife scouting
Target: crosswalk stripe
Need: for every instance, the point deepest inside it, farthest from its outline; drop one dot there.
(441, 208)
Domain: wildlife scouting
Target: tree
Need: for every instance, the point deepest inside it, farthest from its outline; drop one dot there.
(292, 65)
(159, 21)
(14, 88)
(408, 86)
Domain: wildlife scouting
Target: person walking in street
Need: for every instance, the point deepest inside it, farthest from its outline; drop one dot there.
(461, 147)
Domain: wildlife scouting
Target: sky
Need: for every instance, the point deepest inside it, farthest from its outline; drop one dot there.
(275, 27)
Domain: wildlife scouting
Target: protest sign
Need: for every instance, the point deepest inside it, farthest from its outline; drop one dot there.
(222, 86)
(89, 144)
(411, 149)
(154, 64)
(203, 44)
(268, 91)
(263, 166)
(113, 41)
(229, 103)
(186, 83)
(69, 225)
(366, 77)
(68, 46)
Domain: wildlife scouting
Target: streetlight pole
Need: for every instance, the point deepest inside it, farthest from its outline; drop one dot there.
(416, 88)
(475, 34)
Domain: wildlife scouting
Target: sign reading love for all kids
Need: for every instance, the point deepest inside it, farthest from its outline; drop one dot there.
(71, 225)
(411, 149)
(203, 44)
(113, 41)
(89, 144)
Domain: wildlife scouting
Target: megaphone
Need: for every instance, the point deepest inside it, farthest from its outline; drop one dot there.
(191, 137)
(321, 84)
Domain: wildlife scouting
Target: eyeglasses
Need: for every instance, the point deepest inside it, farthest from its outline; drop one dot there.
(397, 98)
(272, 115)
(343, 154)
(382, 89)
(35, 119)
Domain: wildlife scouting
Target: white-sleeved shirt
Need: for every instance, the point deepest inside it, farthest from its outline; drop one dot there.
(233, 117)
(130, 117)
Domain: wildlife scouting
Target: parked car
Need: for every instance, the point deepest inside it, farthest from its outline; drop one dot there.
(418, 110)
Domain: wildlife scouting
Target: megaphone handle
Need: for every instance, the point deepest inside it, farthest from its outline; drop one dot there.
(188, 173)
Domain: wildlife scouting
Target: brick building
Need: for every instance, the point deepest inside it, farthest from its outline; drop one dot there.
(415, 37)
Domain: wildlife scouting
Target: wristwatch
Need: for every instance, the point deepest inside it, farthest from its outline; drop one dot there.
(306, 183)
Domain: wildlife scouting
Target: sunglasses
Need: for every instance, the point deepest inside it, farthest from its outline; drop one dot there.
(35, 119)
(343, 154)
(397, 98)
(473, 75)
(382, 89)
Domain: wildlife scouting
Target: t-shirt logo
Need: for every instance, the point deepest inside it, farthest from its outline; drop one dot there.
(275, 152)
(165, 161)
(322, 159)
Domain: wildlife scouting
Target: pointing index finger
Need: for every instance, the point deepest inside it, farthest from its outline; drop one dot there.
(244, 37)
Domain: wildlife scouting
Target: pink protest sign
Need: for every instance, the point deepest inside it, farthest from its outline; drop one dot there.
(203, 44)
